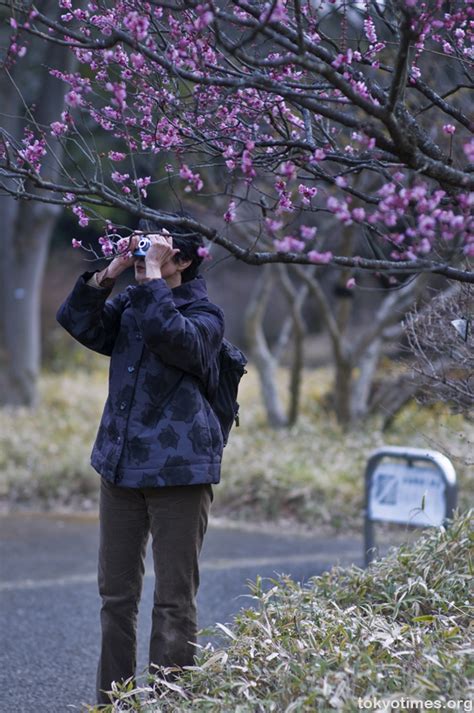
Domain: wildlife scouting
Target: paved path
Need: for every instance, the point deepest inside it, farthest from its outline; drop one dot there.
(49, 623)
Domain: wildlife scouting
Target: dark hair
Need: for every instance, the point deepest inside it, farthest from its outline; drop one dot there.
(185, 239)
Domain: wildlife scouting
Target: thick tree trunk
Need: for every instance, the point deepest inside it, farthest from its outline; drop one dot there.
(27, 226)
(21, 273)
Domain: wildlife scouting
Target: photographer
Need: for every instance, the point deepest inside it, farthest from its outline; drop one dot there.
(159, 445)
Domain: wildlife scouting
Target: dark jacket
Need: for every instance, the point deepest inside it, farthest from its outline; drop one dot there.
(157, 427)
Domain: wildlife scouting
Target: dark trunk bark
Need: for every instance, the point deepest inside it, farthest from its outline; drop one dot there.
(343, 393)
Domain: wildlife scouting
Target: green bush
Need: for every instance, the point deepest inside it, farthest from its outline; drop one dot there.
(400, 629)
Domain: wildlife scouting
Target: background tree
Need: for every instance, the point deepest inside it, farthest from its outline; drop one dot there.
(30, 96)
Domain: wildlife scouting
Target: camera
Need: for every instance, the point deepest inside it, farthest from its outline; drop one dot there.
(142, 248)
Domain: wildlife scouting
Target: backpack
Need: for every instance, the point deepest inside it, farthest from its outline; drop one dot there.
(223, 398)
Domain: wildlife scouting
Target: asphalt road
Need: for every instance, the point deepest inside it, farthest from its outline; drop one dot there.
(49, 606)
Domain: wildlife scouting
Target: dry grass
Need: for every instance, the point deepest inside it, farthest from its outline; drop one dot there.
(311, 474)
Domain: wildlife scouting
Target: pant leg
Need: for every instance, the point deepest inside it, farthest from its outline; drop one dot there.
(124, 530)
(178, 521)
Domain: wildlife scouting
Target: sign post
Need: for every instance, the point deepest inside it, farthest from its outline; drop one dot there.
(408, 486)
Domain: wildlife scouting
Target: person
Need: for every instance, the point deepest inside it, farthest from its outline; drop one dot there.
(159, 445)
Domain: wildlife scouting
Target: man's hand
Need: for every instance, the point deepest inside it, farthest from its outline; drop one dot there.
(160, 251)
(119, 264)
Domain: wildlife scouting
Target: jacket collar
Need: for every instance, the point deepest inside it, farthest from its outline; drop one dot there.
(190, 291)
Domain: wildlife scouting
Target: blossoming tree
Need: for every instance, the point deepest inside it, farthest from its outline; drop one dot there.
(282, 115)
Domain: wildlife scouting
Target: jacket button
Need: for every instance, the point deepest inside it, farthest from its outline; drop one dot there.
(138, 335)
(118, 439)
(130, 369)
(123, 405)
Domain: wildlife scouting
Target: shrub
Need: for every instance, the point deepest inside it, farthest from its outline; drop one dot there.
(400, 629)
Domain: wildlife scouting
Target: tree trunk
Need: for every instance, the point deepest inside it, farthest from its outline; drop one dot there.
(363, 384)
(343, 392)
(264, 360)
(21, 273)
(295, 301)
(27, 226)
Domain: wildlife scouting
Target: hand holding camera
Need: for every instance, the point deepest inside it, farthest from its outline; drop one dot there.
(154, 250)
(157, 250)
(119, 264)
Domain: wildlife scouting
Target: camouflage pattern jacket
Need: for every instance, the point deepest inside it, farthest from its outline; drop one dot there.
(157, 427)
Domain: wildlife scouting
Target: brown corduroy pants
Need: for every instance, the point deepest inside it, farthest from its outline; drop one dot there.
(177, 518)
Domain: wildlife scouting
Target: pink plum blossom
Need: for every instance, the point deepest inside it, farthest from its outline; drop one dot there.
(308, 232)
(288, 169)
(58, 128)
(107, 246)
(247, 164)
(273, 226)
(194, 179)
(74, 98)
(116, 155)
(275, 12)
(307, 193)
(142, 183)
(204, 253)
(122, 245)
(320, 258)
(358, 214)
(34, 150)
(137, 24)
(118, 177)
(229, 215)
(79, 211)
(370, 32)
(289, 244)
(468, 149)
(319, 155)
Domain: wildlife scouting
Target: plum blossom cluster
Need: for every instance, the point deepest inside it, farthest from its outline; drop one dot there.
(271, 120)
(16, 49)
(194, 180)
(32, 152)
(415, 219)
(60, 128)
(111, 244)
(304, 242)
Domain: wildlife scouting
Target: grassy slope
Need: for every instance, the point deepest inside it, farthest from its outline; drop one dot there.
(311, 473)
